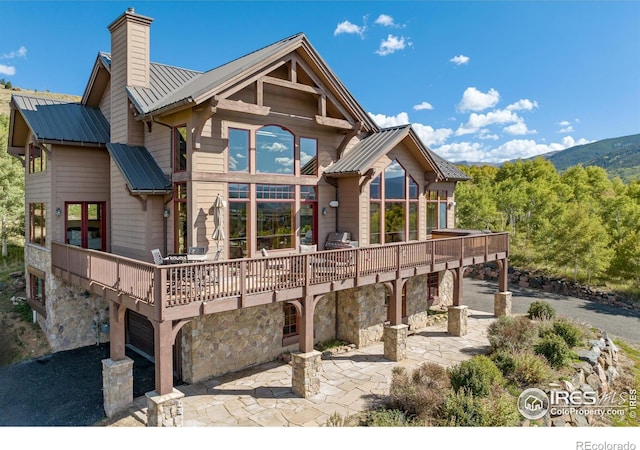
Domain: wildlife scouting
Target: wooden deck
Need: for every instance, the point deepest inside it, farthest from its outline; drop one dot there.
(184, 291)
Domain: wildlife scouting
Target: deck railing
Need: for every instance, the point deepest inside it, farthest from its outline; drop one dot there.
(183, 284)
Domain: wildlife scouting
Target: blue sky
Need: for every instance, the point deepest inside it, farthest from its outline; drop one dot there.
(480, 81)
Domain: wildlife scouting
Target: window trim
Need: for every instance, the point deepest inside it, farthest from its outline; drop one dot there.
(176, 216)
(38, 306)
(175, 147)
(290, 338)
(42, 240)
(36, 164)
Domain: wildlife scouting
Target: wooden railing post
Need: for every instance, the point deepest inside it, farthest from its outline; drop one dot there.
(159, 292)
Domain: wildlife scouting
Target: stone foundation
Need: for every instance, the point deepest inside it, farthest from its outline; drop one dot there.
(165, 410)
(395, 342)
(502, 304)
(305, 374)
(117, 385)
(457, 320)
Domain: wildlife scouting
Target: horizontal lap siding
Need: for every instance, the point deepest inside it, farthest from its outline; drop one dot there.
(105, 103)
(211, 156)
(127, 220)
(290, 101)
(348, 209)
(82, 175)
(205, 194)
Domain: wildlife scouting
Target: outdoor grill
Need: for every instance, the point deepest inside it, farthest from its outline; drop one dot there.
(339, 240)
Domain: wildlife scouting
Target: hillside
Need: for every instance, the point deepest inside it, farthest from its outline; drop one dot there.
(618, 156)
(5, 97)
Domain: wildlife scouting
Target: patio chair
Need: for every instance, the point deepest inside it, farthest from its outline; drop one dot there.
(271, 264)
(157, 257)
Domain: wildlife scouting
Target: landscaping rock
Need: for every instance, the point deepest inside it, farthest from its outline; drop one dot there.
(589, 356)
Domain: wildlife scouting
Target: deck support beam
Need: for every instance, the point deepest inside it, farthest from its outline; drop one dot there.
(163, 338)
(502, 298)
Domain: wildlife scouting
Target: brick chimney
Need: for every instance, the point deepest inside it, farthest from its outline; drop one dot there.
(129, 67)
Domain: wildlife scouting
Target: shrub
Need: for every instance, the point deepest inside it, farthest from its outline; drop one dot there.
(541, 310)
(555, 350)
(422, 393)
(571, 334)
(463, 409)
(529, 368)
(504, 361)
(387, 418)
(512, 333)
(476, 375)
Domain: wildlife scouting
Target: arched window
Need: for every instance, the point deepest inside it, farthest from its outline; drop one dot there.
(274, 150)
(393, 197)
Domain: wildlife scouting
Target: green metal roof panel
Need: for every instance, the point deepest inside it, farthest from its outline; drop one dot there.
(64, 122)
(138, 167)
(361, 157)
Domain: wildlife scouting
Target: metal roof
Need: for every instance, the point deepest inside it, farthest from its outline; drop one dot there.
(141, 171)
(62, 122)
(361, 157)
(203, 83)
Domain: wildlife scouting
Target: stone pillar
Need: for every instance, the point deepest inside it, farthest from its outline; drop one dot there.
(305, 374)
(164, 410)
(502, 304)
(395, 342)
(457, 320)
(117, 385)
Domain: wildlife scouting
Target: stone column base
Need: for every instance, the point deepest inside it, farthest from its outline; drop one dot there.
(305, 376)
(164, 410)
(395, 342)
(117, 385)
(502, 303)
(457, 320)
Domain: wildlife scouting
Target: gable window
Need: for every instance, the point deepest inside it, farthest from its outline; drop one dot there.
(238, 150)
(180, 148)
(274, 150)
(37, 159)
(274, 215)
(393, 206)
(436, 210)
(308, 156)
(37, 223)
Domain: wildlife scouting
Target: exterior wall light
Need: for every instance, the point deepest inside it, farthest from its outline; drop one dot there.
(165, 213)
(58, 212)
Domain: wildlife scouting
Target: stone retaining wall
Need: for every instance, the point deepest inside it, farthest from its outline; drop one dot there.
(523, 278)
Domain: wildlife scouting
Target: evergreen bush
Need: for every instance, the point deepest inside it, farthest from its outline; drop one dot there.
(555, 350)
(512, 334)
(476, 375)
(541, 310)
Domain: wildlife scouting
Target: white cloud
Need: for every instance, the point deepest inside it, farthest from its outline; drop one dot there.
(430, 136)
(461, 151)
(518, 128)
(7, 70)
(276, 147)
(423, 106)
(564, 123)
(459, 60)
(523, 104)
(287, 162)
(20, 53)
(390, 121)
(347, 27)
(474, 100)
(478, 121)
(567, 129)
(385, 20)
(391, 45)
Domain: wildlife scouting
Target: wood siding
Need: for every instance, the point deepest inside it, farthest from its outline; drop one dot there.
(81, 175)
(128, 224)
(105, 104)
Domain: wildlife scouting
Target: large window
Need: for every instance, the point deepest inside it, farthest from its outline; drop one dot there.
(37, 223)
(308, 156)
(37, 159)
(238, 213)
(274, 215)
(274, 150)
(180, 148)
(85, 225)
(393, 197)
(436, 210)
(308, 215)
(180, 217)
(238, 150)
(290, 330)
